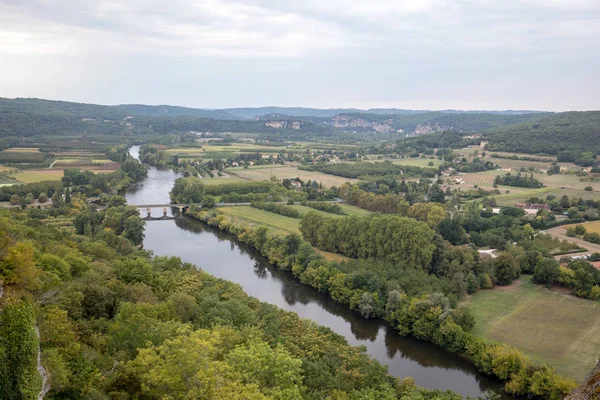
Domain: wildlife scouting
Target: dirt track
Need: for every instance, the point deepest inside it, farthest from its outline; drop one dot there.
(561, 233)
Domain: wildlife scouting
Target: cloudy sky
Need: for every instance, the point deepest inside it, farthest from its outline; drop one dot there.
(434, 54)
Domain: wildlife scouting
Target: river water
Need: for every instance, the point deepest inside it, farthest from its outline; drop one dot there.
(221, 255)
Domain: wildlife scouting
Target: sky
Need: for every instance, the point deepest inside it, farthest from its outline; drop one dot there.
(418, 54)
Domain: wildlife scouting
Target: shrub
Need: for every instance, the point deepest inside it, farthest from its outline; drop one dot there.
(592, 237)
(580, 230)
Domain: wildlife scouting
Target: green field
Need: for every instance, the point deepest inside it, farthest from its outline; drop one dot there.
(550, 326)
(22, 150)
(350, 210)
(220, 180)
(255, 217)
(38, 175)
(289, 172)
(417, 162)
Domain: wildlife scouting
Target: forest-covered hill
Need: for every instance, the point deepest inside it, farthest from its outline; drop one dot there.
(550, 134)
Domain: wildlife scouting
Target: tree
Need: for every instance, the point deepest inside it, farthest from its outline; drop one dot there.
(187, 190)
(67, 196)
(573, 212)
(133, 229)
(18, 347)
(275, 371)
(42, 197)
(430, 213)
(366, 305)
(580, 230)
(546, 271)
(15, 200)
(506, 269)
(436, 194)
(452, 231)
(208, 202)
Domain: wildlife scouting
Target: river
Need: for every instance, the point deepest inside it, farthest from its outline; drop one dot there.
(219, 254)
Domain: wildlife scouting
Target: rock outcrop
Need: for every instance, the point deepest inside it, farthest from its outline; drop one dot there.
(590, 388)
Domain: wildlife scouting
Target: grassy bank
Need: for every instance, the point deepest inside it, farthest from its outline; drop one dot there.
(550, 326)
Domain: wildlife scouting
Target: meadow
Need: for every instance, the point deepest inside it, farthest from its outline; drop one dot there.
(416, 162)
(549, 325)
(348, 209)
(289, 172)
(255, 217)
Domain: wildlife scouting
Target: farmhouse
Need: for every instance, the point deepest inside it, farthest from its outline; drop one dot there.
(296, 185)
(532, 208)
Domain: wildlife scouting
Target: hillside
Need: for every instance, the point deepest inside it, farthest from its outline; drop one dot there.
(175, 111)
(426, 122)
(60, 108)
(251, 112)
(550, 134)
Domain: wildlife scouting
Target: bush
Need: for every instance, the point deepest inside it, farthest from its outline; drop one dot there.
(571, 232)
(580, 230)
(588, 189)
(592, 237)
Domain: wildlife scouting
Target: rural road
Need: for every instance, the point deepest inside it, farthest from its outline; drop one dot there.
(561, 233)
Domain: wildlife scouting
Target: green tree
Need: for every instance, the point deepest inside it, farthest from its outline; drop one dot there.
(133, 229)
(15, 199)
(506, 269)
(19, 378)
(187, 190)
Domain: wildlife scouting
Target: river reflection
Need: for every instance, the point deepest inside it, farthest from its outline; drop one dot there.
(219, 254)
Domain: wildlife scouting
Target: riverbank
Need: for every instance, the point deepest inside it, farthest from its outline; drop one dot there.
(489, 358)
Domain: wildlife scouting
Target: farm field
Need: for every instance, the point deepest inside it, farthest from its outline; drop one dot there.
(22, 150)
(255, 217)
(350, 210)
(219, 180)
(550, 326)
(592, 227)
(518, 164)
(481, 177)
(566, 181)
(416, 162)
(508, 154)
(233, 149)
(287, 171)
(557, 185)
(38, 175)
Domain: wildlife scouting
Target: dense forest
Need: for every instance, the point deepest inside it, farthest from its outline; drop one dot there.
(114, 322)
(550, 134)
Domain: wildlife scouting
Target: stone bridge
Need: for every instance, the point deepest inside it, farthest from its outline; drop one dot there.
(165, 208)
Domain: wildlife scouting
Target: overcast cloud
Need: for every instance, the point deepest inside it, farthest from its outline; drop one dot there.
(461, 54)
